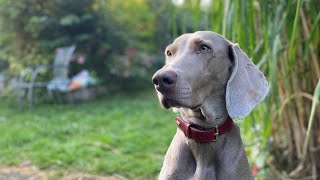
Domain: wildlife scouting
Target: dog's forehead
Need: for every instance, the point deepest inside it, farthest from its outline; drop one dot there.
(211, 36)
(181, 39)
(215, 38)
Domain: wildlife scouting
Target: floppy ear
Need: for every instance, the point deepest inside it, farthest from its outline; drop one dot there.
(246, 86)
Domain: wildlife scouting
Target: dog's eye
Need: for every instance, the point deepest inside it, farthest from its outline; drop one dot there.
(168, 53)
(204, 48)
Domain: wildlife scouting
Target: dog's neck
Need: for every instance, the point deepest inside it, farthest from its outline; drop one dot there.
(213, 112)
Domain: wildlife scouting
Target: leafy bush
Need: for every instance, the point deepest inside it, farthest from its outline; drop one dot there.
(117, 38)
(35, 28)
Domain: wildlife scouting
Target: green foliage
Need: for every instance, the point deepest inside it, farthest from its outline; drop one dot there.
(38, 27)
(136, 63)
(138, 22)
(103, 31)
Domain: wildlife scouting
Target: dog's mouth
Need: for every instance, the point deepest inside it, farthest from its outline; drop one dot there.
(196, 108)
(167, 103)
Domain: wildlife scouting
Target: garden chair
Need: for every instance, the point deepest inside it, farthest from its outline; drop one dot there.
(59, 82)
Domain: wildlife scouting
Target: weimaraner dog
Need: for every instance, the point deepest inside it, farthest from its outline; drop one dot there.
(209, 80)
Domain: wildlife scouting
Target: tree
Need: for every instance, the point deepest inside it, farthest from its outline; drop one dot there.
(35, 28)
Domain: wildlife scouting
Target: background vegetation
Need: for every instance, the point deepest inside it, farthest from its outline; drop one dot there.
(105, 137)
(124, 40)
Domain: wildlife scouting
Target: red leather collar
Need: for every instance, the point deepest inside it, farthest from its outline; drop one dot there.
(204, 135)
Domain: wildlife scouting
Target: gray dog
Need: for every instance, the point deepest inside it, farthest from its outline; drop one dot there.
(209, 80)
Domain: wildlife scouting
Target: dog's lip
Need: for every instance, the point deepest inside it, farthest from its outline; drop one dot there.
(168, 102)
(195, 108)
(165, 103)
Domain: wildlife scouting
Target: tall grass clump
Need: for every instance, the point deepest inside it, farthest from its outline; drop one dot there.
(282, 38)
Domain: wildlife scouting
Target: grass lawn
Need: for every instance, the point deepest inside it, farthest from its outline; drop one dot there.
(122, 134)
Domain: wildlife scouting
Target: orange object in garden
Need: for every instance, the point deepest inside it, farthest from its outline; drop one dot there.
(75, 85)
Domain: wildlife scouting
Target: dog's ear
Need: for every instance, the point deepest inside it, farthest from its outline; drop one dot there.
(246, 86)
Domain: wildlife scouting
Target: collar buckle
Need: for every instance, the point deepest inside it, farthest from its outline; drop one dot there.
(216, 134)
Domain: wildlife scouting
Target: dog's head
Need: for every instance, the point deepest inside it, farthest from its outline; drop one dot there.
(203, 64)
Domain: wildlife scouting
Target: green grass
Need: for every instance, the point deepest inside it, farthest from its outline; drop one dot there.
(123, 134)
(119, 134)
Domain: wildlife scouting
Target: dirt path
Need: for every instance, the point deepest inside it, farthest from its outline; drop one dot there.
(33, 173)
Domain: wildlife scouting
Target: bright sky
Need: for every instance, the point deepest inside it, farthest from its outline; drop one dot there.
(178, 2)
(203, 3)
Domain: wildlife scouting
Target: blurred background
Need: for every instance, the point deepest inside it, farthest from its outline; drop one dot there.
(97, 115)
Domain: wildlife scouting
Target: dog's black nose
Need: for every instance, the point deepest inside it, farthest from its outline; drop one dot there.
(164, 81)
